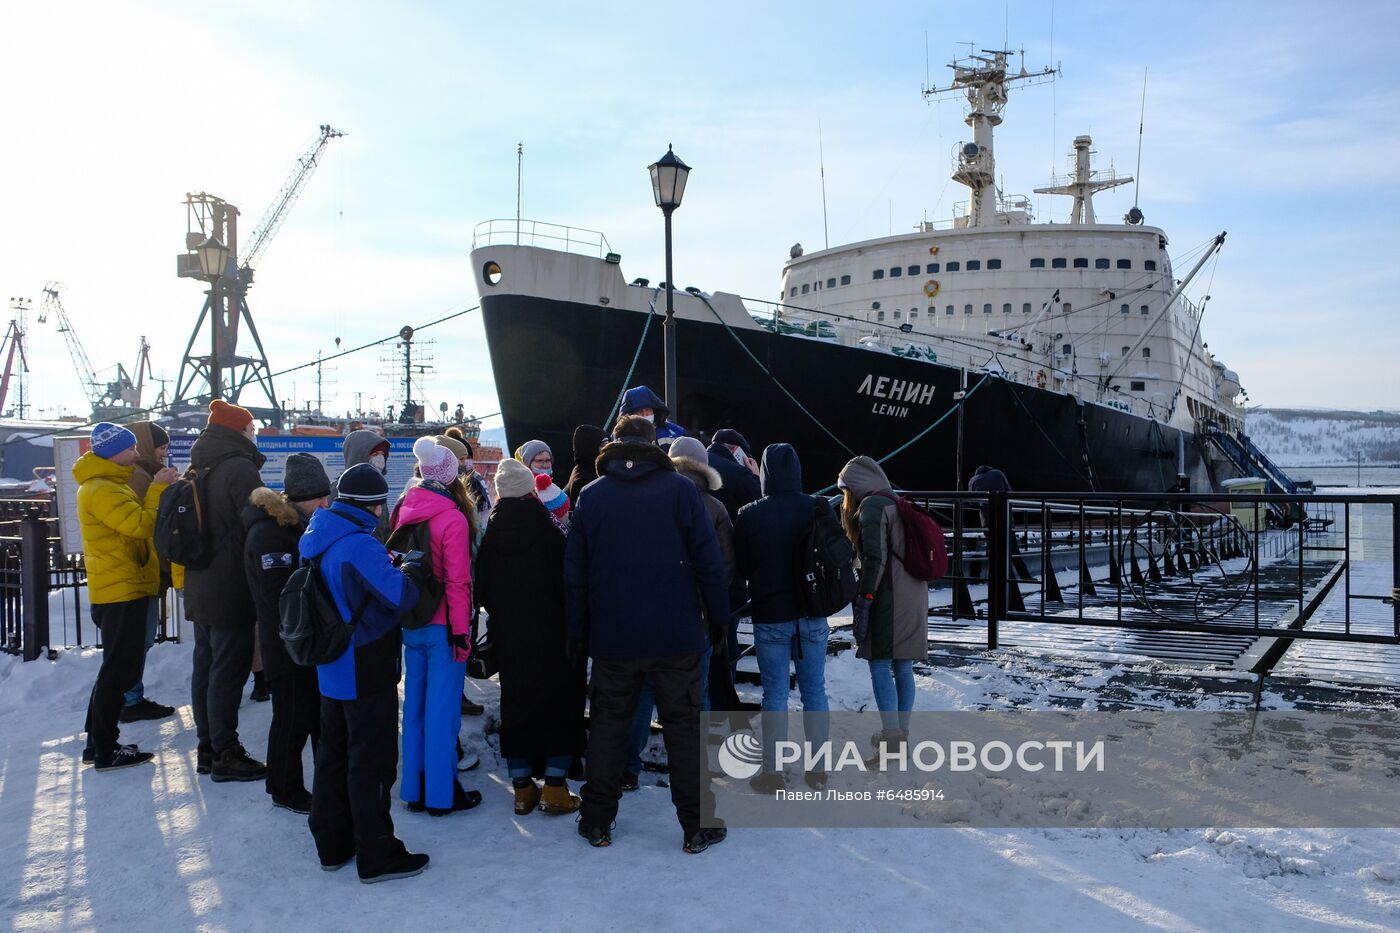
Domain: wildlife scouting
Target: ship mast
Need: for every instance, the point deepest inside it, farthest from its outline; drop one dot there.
(1084, 182)
(984, 79)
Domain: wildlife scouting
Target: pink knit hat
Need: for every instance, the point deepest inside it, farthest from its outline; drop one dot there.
(434, 462)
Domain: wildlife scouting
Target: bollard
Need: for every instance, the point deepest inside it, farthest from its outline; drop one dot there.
(34, 585)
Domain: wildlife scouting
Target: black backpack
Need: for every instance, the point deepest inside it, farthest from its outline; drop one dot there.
(825, 562)
(180, 535)
(414, 537)
(311, 627)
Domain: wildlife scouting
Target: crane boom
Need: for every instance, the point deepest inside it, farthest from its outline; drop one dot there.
(291, 189)
(86, 374)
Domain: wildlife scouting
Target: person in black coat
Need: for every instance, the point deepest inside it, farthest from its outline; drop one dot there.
(730, 457)
(275, 522)
(641, 549)
(588, 440)
(519, 577)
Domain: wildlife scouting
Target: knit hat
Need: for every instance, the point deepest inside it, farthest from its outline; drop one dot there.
(688, 447)
(459, 448)
(731, 436)
(455, 433)
(110, 439)
(304, 478)
(552, 496)
(159, 436)
(229, 416)
(362, 485)
(435, 462)
(513, 480)
(532, 449)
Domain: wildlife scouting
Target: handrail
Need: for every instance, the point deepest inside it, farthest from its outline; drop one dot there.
(508, 231)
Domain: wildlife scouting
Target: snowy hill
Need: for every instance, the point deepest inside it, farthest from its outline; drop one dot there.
(1301, 437)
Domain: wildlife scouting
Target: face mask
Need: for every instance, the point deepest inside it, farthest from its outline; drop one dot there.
(377, 461)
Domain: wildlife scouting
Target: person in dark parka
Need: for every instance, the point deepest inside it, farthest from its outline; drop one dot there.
(729, 456)
(275, 522)
(588, 440)
(520, 584)
(217, 598)
(641, 549)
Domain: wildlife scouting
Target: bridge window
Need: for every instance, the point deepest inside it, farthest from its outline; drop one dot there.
(1143, 309)
(1026, 308)
(951, 267)
(830, 283)
(1100, 263)
(987, 308)
(897, 314)
(896, 271)
(804, 289)
(1067, 307)
(932, 268)
(879, 315)
(878, 274)
(967, 309)
(949, 311)
(1123, 309)
(1147, 353)
(913, 270)
(1038, 263)
(993, 263)
(1150, 265)
(793, 291)
(913, 314)
(1081, 263)
(1138, 385)
(845, 280)
(1057, 263)
(1127, 350)
(1006, 308)
(1125, 263)
(1067, 349)
(974, 265)
(817, 285)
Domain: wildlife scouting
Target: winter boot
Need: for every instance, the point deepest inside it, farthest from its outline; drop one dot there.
(260, 693)
(889, 741)
(702, 839)
(233, 764)
(204, 759)
(402, 866)
(630, 781)
(527, 795)
(556, 798)
(768, 783)
(461, 800)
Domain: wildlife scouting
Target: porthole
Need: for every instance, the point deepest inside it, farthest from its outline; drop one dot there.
(491, 273)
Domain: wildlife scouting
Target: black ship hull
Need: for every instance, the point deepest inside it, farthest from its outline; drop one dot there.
(560, 364)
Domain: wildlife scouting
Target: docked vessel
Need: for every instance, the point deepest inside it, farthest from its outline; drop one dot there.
(1065, 353)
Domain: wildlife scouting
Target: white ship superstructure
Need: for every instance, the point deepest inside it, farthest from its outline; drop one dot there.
(1086, 308)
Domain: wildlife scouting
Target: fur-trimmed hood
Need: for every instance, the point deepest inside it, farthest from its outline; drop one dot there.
(275, 506)
(705, 477)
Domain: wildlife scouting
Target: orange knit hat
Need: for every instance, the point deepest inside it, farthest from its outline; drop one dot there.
(229, 416)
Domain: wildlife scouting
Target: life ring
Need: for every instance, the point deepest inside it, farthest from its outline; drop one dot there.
(1040, 379)
(931, 287)
(933, 250)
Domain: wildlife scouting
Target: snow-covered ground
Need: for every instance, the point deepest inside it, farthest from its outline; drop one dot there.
(159, 848)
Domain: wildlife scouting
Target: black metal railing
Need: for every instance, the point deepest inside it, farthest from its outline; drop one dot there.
(1207, 564)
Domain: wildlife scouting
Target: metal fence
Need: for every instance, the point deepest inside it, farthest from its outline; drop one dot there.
(43, 591)
(1203, 564)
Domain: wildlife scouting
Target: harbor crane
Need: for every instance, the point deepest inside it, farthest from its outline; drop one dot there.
(14, 340)
(212, 254)
(111, 399)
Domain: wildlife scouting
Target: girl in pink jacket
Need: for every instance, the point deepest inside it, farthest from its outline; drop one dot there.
(435, 654)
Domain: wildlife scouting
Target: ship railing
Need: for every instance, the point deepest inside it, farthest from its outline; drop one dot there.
(773, 313)
(40, 585)
(1208, 564)
(513, 232)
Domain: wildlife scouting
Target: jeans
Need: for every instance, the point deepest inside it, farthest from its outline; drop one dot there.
(432, 716)
(613, 700)
(138, 692)
(800, 643)
(123, 625)
(646, 706)
(555, 766)
(893, 683)
(222, 656)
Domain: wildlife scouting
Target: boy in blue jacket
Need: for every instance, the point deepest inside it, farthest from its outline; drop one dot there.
(358, 753)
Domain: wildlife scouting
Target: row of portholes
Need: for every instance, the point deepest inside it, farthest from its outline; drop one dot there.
(975, 265)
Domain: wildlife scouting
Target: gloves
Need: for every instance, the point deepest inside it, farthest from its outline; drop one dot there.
(461, 646)
(414, 570)
(860, 618)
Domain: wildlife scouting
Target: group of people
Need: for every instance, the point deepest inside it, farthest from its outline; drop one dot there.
(641, 562)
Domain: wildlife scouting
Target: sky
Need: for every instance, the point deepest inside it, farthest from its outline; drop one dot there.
(1262, 119)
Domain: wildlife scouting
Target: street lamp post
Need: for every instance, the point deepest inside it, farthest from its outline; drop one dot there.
(213, 259)
(668, 176)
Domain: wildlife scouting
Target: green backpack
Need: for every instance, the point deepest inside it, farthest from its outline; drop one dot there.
(406, 539)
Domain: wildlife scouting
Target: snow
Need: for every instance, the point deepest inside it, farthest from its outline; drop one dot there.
(159, 848)
(1294, 438)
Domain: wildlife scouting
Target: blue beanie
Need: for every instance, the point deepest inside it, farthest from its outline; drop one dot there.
(110, 439)
(362, 485)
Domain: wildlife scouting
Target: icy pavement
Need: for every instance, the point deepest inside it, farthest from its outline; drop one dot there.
(158, 848)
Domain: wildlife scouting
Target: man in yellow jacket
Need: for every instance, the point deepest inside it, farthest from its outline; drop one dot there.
(123, 576)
